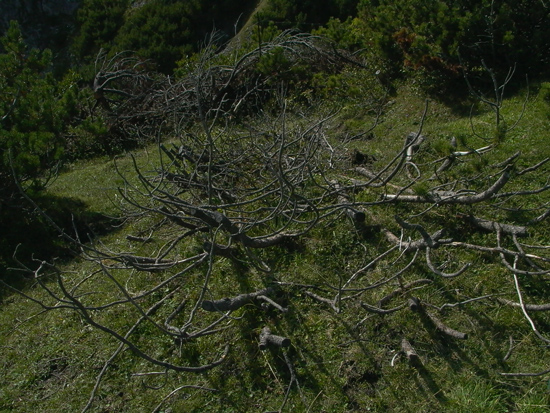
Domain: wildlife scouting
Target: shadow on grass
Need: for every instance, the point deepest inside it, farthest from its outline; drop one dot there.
(27, 237)
(425, 382)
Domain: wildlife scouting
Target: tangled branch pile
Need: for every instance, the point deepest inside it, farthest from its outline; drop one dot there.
(231, 207)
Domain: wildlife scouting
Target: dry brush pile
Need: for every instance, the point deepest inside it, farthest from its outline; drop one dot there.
(226, 202)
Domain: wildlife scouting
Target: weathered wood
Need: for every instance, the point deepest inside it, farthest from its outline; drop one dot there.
(265, 242)
(216, 219)
(268, 301)
(172, 216)
(138, 239)
(410, 352)
(416, 305)
(416, 227)
(436, 239)
(232, 304)
(267, 339)
(221, 250)
(354, 214)
(331, 303)
(493, 226)
(530, 307)
(446, 197)
(414, 140)
(444, 328)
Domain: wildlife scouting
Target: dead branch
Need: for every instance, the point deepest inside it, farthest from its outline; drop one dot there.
(442, 198)
(510, 348)
(460, 303)
(541, 373)
(416, 305)
(248, 194)
(232, 304)
(493, 226)
(267, 339)
(530, 307)
(441, 273)
(354, 214)
(402, 289)
(410, 352)
(331, 303)
(436, 239)
(377, 310)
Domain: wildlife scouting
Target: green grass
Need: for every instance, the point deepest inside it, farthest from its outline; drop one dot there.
(343, 362)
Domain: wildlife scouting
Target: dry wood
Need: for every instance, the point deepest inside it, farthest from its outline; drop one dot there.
(416, 305)
(378, 310)
(354, 214)
(445, 197)
(410, 352)
(530, 307)
(434, 239)
(493, 226)
(232, 304)
(233, 194)
(267, 339)
(446, 329)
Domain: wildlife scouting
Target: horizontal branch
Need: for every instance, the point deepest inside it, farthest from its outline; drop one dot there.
(267, 339)
(378, 310)
(530, 307)
(487, 225)
(436, 239)
(446, 197)
(232, 304)
(216, 219)
(542, 373)
(416, 305)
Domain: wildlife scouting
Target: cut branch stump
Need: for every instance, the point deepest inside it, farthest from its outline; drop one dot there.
(267, 339)
(410, 352)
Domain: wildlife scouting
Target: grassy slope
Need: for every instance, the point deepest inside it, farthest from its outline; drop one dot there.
(262, 4)
(50, 361)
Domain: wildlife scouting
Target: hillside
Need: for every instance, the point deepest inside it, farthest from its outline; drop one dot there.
(288, 223)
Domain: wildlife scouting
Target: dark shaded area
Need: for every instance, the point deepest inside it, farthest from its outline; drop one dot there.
(28, 238)
(307, 14)
(45, 24)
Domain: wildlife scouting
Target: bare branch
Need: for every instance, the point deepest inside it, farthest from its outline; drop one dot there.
(267, 339)
(232, 304)
(416, 305)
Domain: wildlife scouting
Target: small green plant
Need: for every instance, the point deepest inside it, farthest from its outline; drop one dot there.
(421, 189)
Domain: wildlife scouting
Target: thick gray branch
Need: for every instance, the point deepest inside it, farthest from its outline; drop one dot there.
(232, 304)
(267, 339)
(445, 197)
(493, 226)
(435, 239)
